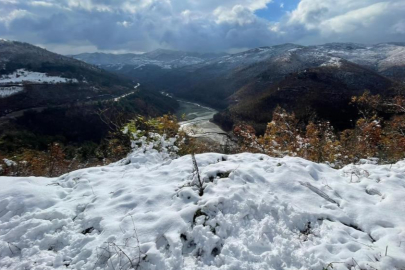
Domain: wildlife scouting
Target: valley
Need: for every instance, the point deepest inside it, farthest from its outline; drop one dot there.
(248, 86)
(216, 92)
(16, 114)
(202, 135)
(198, 122)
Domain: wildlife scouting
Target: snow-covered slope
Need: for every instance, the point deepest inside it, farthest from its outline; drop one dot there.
(256, 212)
(165, 59)
(379, 57)
(10, 90)
(22, 75)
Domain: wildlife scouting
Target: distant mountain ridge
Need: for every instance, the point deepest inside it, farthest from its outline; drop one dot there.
(251, 83)
(379, 57)
(163, 58)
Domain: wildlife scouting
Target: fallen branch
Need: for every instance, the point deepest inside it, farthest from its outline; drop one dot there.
(319, 192)
(196, 173)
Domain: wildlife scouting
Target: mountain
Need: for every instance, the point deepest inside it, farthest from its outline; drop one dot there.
(32, 77)
(387, 59)
(306, 80)
(265, 66)
(251, 83)
(165, 59)
(325, 91)
(148, 68)
(317, 79)
(256, 212)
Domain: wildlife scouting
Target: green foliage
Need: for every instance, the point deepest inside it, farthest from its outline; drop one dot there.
(130, 128)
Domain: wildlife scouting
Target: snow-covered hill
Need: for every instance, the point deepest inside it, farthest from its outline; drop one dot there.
(23, 76)
(256, 212)
(6, 91)
(32, 77)
(379, 57)
(165, 59)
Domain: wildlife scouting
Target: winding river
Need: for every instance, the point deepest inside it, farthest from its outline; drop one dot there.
(197, 122)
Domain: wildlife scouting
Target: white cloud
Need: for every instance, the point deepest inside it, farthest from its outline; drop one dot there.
(399, 27)
(348, 20)
(41, 3)
(8, 17)
(125, 24)
(352, 20)
(237, 15)
(8, 1)
(204, 25)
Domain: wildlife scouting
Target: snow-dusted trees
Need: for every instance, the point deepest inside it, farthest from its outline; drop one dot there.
(368, 130)
(247, 139)
(282, 136)
(378, 133)
(394, 138)
(36, 163)
(380, 130)
(317, 142)
(162, 133)
(321, 143)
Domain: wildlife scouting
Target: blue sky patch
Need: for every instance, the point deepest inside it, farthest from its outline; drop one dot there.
(277, 9)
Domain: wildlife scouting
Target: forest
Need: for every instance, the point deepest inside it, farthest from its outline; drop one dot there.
(58, 140)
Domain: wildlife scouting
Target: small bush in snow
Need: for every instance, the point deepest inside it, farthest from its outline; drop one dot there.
(162, 134)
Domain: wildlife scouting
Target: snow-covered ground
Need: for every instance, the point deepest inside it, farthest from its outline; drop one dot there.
(256, 212)
(22, 75)
(9, 91)
(333, 62)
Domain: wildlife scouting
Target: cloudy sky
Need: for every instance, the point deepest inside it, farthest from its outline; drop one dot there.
(75, 26)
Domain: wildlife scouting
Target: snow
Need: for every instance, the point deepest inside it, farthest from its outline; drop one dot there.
(333, 62)
(257, 212)
(165, 64)
(22, 75)
(167, 61)
(395, 57)
(9, 162)
(379, 57)
(10, 90)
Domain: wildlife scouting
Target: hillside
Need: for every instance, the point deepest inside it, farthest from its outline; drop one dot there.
(165, 59)
(236, 77)
(256, 212)
(49, 100)
(156, 69)
(33, 77)
(324, 92)
(388, 59)
(320, 79)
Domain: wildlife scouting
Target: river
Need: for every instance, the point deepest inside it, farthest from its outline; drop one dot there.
(197, 122)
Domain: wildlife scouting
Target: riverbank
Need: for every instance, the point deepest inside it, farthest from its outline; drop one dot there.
(195, 119)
